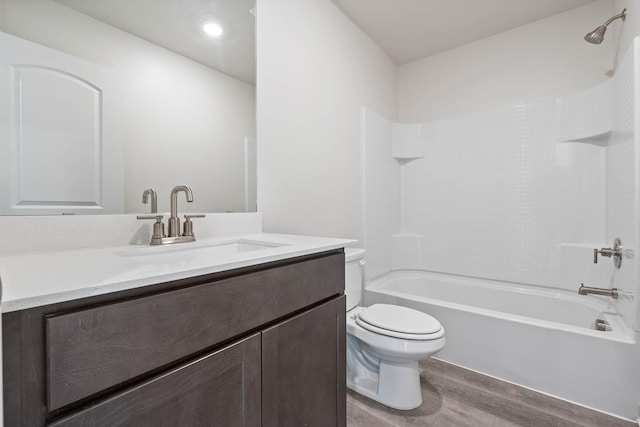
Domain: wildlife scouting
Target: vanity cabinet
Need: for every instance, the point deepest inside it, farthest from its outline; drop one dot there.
(261, 345)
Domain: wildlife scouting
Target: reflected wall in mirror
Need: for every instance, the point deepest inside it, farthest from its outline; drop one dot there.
(101, 100)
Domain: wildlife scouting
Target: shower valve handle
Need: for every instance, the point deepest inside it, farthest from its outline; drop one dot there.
(615, 253)
(604, 252)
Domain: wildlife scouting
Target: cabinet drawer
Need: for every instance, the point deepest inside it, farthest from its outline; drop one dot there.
(90, 350)
(222, 389)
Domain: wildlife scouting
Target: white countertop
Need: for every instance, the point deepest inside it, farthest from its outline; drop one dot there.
(40, 278)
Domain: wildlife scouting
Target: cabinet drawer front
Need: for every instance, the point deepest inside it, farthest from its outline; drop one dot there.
(222, 388)
(91, 350)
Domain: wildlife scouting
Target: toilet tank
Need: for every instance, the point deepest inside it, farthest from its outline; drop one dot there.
(353, 275)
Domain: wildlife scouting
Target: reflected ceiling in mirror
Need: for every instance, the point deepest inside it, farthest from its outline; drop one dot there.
(178, 26)
(177, 108)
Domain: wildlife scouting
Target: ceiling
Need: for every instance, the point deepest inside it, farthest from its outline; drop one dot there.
(408, 30)
(176, 25)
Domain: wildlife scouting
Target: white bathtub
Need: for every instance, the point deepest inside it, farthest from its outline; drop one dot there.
(539, 338)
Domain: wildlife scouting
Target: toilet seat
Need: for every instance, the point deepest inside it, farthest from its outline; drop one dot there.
(399, 322)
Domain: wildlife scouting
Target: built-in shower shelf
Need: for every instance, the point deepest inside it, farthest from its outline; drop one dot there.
(403, 159)
(408, 141)
(587, 116)
(602, 139)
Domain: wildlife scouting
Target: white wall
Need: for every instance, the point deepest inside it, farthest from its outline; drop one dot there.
(620, 34)
(497, 170)
(510, 154)
(623, 35)
(316, 70)
(186, 123)
(542, 60)
(518, 72)
(621, 179)
(498, 175)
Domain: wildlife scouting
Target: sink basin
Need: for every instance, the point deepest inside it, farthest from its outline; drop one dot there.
(194, 254)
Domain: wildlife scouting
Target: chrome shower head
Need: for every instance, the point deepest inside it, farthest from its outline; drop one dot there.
(596, 36)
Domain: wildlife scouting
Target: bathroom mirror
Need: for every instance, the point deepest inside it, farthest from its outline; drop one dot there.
(173, 105)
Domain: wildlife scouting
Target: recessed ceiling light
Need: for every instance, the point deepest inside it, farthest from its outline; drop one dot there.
(212, 29)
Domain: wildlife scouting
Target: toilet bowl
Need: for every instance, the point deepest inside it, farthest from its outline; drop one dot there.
(385, 343)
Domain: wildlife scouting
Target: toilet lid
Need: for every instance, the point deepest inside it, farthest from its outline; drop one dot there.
(398, 321)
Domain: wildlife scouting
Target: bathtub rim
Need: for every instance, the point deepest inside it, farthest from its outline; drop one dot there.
(621, 332)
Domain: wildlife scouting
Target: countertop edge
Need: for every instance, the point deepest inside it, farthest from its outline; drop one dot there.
(97, 289)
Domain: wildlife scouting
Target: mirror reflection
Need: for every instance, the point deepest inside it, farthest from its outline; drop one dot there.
(105, 99)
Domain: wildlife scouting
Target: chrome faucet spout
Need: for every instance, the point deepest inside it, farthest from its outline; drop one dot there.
(174, 221)
(174, 197)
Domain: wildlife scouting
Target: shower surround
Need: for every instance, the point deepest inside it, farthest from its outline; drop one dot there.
(517, 195)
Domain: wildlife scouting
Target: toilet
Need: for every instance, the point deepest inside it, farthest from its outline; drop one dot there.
(385, 343)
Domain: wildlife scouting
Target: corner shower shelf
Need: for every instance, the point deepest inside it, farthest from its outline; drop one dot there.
(406, 158)
(602, 139)
(407, 141)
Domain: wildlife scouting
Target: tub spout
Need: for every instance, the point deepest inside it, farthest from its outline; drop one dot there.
(586, 290)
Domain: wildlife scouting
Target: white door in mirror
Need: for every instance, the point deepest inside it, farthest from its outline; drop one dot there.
(58, 151)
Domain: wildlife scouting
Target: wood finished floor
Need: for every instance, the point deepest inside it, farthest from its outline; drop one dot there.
(453, 396)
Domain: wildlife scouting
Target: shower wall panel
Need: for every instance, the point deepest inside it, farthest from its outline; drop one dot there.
(498, 196)
(519, 194)
(622, 182)
(381, 216)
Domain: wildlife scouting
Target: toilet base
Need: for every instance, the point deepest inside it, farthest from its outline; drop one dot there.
(395, 385)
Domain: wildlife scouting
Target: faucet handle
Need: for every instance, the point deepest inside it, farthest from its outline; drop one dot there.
(188, 225)
(615, 253)
(158, 218)
(604, 252)
(158, 228)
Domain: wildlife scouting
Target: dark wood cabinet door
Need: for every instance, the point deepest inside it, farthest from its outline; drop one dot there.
(303, 369)
(219, 389)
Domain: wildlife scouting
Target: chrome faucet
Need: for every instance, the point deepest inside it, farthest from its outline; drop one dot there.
(174, 221)
(174, 235)
(154, 199)
(586, 290)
